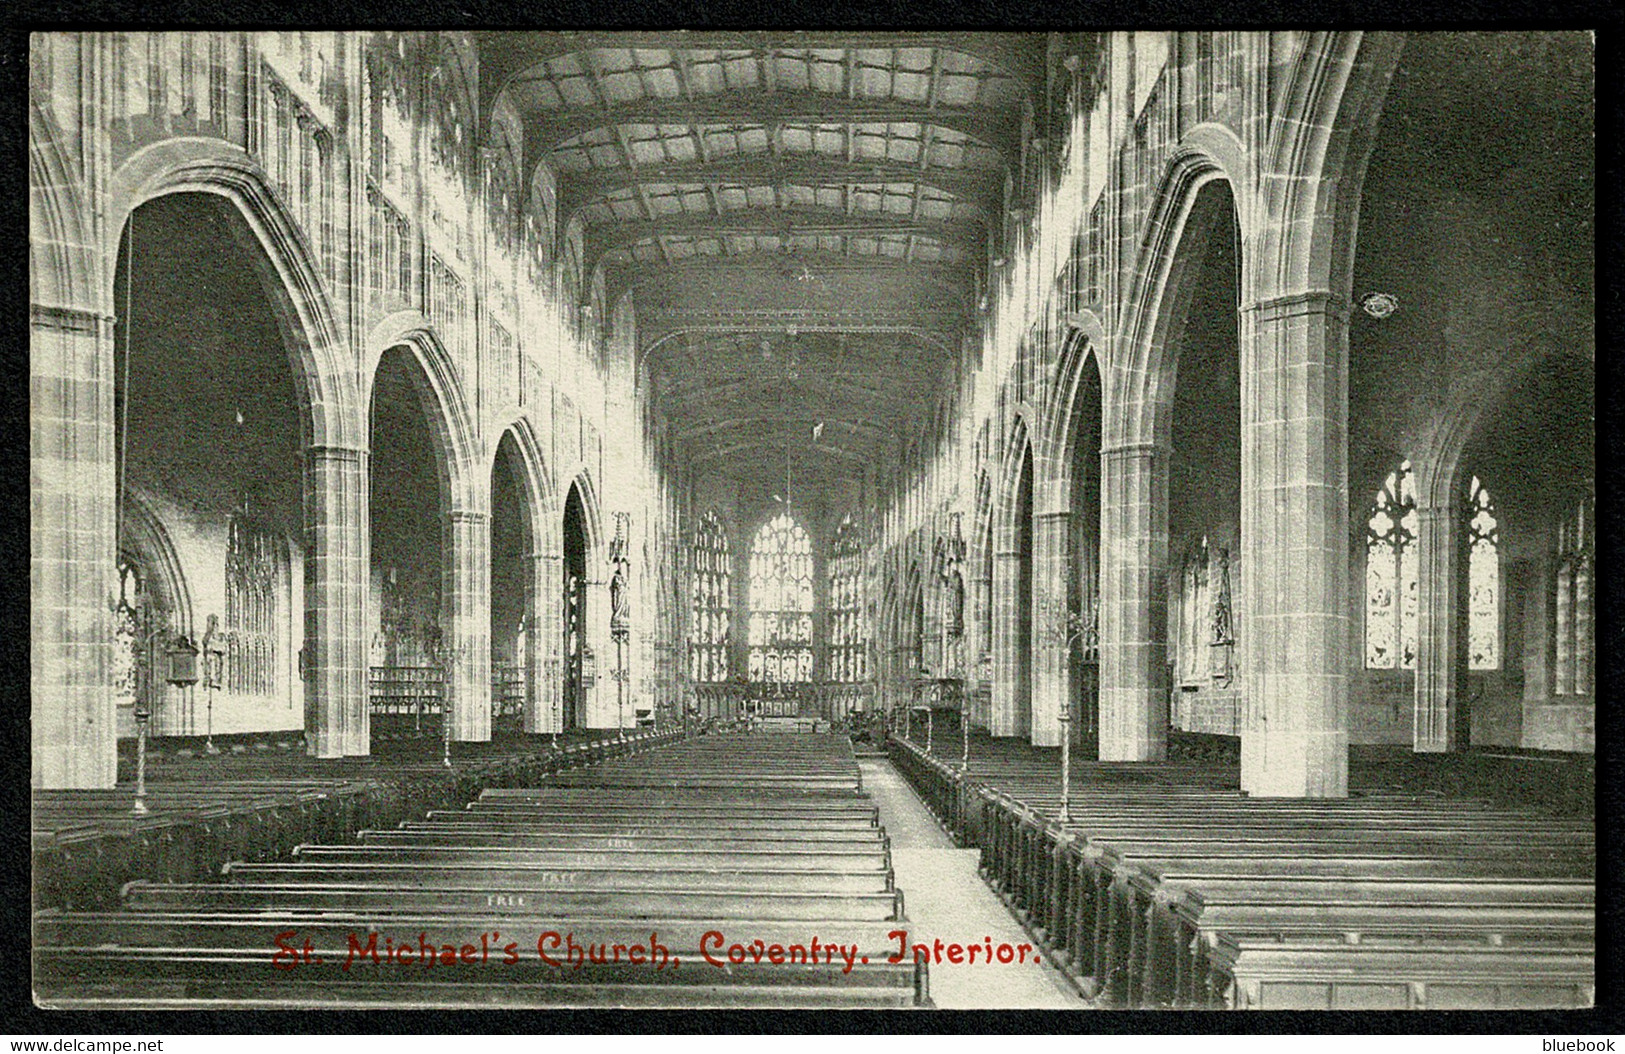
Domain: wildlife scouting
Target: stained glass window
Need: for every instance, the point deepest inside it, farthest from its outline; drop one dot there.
(711, 584)
(781, 603)
(1576, 545)
(1390, 575)
(848, 654)
(127, 630)
(1483, 581)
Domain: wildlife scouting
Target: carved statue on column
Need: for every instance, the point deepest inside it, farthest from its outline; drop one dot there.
(956, 604)
(620, 604)
(620, 599)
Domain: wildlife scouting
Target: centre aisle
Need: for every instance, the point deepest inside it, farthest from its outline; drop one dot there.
(949, 902)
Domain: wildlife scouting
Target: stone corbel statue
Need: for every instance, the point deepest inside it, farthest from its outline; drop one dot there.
(620, 597)
(956, 603)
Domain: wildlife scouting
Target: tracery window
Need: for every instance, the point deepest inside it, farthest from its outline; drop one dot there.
(712, 582)
(1576, 547)
(781, 603)
(1390, 575)
(1483, 580)
(848, 652)
(254, 561)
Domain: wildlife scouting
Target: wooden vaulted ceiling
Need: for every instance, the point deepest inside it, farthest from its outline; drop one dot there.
(800, 217)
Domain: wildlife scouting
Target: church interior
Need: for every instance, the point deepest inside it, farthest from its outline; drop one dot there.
(1115, 508)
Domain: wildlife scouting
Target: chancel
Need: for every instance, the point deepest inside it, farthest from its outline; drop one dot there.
(1072, 520)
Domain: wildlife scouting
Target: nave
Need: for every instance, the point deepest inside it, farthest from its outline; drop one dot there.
(423, 415)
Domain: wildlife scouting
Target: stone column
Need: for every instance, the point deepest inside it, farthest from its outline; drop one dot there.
(598, 707)
(542, 677)
(72, 548)
(338, 547)
(1134, 603)
(1538, 622)
(465, 606)
(1009, 667)
(1438, 630)
(1051, 672)
(1294, 546)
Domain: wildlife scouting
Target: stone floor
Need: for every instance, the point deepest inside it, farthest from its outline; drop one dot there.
(947, 900)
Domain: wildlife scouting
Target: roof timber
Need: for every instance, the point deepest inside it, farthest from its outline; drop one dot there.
(607, 238)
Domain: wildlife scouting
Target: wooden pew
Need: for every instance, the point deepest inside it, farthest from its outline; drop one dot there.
(1119, 890)
(697, 840)
(205, 960)
(1271, 972)
(208, 810)
(1212, 920)
(631, 839)
(518, 897)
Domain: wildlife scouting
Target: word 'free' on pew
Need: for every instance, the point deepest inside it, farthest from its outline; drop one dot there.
(731, 877)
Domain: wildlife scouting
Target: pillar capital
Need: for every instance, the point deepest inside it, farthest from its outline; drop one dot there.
(335, 454)
(69, 319)
(1294, 305)
(1125, 451)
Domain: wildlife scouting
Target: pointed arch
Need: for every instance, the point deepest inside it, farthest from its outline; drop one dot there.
(913, 629)
(542, 501)
(1080, 354)
(144, 533)
(592, 522)
(1319, 144)
(1139, 390)
(445, 406)
(1017, 454)
(534, 639)
(335, 415)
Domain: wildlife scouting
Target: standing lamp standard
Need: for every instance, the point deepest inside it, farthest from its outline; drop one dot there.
(1076, 627)
(950, 559)
(620, 614)
(142, 716)
(964, 732)
(443, 657)
(445, 723)
(214, 664)
(182, 674)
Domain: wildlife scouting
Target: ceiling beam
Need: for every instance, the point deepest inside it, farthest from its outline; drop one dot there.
(973, 186)
(935, 330)
(608, 237)
(799, 266)
(773, 429)
(549, 129)
(805, 470)
(946, 282)
(505, 55)
(982, 187)
(805, 396)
